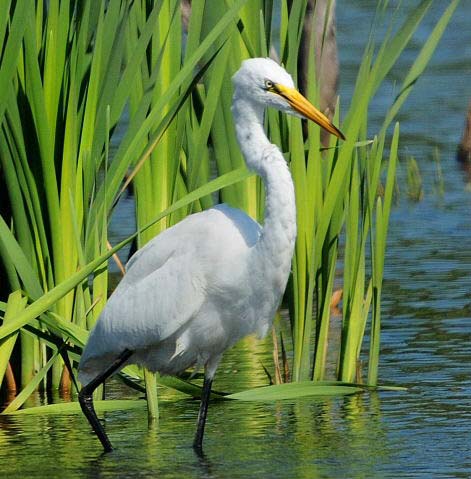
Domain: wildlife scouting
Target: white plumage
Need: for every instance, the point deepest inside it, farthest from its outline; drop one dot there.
(174, 304)
(217, 276)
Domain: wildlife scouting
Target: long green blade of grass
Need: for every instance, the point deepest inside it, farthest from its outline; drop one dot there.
(16, 303)
(11, 49)
(295, 390)
(31, 386)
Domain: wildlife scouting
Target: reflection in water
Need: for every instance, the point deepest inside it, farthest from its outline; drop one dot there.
(355, 436)
(205, 464)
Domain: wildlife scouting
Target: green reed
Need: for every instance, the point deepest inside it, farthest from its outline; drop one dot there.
(71, 74)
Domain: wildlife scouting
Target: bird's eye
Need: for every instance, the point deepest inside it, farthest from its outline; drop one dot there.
(269, 85)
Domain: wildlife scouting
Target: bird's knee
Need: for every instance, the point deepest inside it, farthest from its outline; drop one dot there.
(85, 397)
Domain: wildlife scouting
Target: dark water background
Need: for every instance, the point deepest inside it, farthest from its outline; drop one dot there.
(424, 432)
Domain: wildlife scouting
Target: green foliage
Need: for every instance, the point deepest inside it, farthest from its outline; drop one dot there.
(414, 180)
(74, 407)
(68, 85)
(73, 72)
(296, 390)
(303, 389)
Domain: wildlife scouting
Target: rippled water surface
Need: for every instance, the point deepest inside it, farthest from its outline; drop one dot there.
(424, 432)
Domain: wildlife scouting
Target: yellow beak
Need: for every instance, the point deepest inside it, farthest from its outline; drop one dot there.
(299, 103)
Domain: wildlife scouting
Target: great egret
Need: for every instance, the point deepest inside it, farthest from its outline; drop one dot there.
(217, 276)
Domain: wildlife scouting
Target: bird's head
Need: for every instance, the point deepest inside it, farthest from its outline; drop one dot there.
(268, 84)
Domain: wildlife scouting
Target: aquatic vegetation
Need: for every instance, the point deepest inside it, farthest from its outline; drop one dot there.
(414, 180)
(97, 92)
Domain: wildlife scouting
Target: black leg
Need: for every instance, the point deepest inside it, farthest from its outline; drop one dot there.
(198, 442)
(86, 398)
(67, 363)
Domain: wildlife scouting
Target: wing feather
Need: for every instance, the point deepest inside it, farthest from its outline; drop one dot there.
(168, 281)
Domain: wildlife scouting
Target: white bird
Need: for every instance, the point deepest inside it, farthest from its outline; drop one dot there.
(217, 276)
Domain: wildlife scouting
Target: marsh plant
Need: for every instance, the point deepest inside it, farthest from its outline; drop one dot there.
(96, 95)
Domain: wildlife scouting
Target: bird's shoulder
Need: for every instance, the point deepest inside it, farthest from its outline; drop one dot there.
(237, 223)
(216, 221)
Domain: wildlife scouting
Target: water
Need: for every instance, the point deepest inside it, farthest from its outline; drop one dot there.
(421, 433)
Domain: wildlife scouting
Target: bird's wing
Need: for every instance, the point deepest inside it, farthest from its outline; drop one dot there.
(155, 305)
(151, 256)
(149, 305)
(167, 281)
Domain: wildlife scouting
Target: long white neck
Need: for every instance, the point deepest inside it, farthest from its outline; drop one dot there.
(277, 240)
